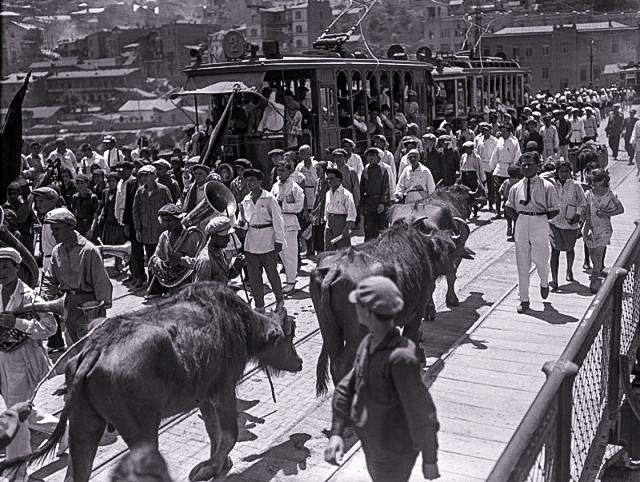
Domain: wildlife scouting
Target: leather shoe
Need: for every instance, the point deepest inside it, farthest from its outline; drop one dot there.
(523, 307)
(544, 292)
(553, 285)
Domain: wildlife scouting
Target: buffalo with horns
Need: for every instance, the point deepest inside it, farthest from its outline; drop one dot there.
(414, 255)
(447, 208)
(187, 352)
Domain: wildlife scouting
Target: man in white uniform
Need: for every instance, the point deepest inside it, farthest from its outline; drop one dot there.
(290, 197)
(260, 215)
(532, 202)
(507, 153)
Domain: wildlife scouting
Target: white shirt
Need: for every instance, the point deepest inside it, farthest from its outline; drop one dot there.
(485, 149)
(290, 196)
(387, 159)
(121, 198)
(48, 243)
(112, 157)
(264, 211)
(577, 130)
(67, 160)
(472, 163)
(635, 135)
(355, 162)
(87, 162)
(543, 196)
(411, 179)
(310, 178)
(39, 328)
(507, 153)
(340, 201)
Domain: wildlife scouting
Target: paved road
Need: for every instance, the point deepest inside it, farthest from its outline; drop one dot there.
(285, 440)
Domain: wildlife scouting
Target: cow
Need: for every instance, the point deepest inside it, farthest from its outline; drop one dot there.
(414, 255)
(188, 351)
(447, 208)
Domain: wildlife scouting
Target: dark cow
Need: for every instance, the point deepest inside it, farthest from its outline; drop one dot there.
(447, 208)
(187, 352)
(413, 255)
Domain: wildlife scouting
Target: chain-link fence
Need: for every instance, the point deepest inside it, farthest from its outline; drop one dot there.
(565, 433)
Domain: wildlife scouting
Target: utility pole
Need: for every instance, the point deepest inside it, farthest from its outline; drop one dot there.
(591, 63)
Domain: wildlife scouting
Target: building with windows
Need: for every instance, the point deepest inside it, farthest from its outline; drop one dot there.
(21, 42)
(570, 55)
(92, 86)
(294, 26)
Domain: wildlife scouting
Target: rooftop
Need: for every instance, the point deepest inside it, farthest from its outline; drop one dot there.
(18, 77)
(43, 112)
(91, 74)
(48, 64)
(580, 27)
(162, 105)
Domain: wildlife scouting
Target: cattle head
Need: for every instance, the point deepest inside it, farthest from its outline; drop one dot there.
(279, 352)
(459, 235)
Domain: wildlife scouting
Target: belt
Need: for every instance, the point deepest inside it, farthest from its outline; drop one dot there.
(341, 215)
(533, 214)
(78, 292)
(261, 226)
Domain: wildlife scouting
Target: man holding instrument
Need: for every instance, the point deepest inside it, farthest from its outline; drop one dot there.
(213, 263)
(23, 358)
(176, 250)
(77, 271)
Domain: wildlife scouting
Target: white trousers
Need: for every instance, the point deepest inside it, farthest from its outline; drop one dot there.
(289, 255)
(532, 244)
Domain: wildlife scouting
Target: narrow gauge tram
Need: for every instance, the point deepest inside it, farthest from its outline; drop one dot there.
(346, 97)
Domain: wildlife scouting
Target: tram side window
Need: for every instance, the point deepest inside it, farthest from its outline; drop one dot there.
(445, 98)
(327, 111)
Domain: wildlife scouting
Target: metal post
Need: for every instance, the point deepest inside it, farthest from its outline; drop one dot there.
(613, 398)
(562, 471)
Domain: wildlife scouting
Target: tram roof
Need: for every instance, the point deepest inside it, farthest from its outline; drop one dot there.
(302, 62)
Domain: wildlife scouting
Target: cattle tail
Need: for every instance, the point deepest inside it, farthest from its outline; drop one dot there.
(76, 372)
(322, 367)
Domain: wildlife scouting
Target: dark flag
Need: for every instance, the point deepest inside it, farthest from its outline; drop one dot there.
(11, 140)
(218, 133)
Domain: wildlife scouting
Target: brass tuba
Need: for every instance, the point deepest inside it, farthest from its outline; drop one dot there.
(218, 201)
(122, 251)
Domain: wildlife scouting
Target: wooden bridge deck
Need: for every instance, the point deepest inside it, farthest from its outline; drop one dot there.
(484, 385)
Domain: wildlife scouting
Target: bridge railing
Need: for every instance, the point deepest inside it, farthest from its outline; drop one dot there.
(564, 434)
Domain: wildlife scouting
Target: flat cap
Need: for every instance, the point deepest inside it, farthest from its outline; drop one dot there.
(253, 173)
(46, 193)
(246, 163)
(348, 141)
(409, 140)
(124, 165)
(161, 163)
(60, 216)
(147, 169)
(533, 145)
(194, 160)
(469, 144)
(108, 138)
(170, 210)
(444, 138)
(373, 150)
(220, 225)
(275, 152)
(82, 177)
(379, 295)
(430, 135)
(202, 167)
(484, 125)
(339, 152)
(12, 254)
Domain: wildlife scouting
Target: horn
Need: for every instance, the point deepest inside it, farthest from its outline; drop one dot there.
(122, 251)
(463, 230)
(53, 306)
(218, 201)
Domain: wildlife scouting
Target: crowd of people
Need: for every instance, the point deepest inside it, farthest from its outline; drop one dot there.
(64, 206)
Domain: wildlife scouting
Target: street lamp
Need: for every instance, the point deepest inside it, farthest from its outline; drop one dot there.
(591, 63)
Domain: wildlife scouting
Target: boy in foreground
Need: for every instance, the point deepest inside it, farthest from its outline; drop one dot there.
(383, 395)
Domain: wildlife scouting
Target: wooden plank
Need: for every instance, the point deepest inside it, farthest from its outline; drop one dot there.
(498, 366)
(521, 346)
(546, 335)
(495, 412)
(463, 465)
(507, 354)
(492, 378)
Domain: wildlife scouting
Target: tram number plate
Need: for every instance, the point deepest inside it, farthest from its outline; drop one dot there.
(233, 45)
